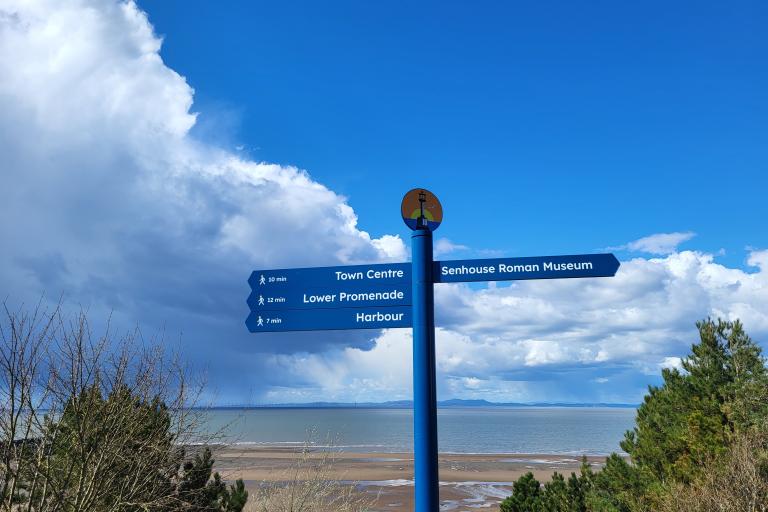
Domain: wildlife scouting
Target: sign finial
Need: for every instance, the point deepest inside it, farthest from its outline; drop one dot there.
(421, 209)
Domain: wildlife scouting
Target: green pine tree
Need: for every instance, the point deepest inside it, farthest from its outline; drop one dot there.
(685, 428)
(554, 496)
(694, 414)
(204, 492)
(525, 497)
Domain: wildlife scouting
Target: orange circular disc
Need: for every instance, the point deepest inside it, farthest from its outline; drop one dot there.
(421, 209)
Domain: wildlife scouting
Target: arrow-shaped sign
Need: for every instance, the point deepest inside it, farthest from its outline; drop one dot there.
(535, 267)
(329, 319)
(379, 274)
(337, 296)
(379, 296)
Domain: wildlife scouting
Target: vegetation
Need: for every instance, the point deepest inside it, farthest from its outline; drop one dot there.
(92, 425)
(310, 487)
(107, 425)
(700, 442)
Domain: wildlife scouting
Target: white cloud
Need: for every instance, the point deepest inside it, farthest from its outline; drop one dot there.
(352, 374)
(390, 248)
(444, 246)
(671, 363)
(660, 243)
(562, 340)
(106, 198)
(471, 382)
(100, 172)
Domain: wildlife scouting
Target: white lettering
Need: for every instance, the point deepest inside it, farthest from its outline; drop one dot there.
(518, 268)
(464, 270)
(363, 296)
(378, 317)
(384, 274)
(344, 276)
(553, 267)
(319, 298)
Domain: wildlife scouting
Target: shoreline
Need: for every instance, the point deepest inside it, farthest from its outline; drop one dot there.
(467, 481)
(297, 446)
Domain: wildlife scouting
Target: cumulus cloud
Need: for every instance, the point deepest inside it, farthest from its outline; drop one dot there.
(107, 199)
(660, 243)
(564, 339)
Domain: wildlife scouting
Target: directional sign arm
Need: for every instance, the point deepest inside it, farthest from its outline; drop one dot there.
(378, 274)
(329, 297)
(329, 319)
(536, 267)
(373, 296)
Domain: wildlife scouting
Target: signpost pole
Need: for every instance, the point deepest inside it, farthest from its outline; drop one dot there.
(424, 392)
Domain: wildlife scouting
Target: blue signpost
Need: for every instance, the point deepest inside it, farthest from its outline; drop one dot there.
(392, 295)
(424, 381)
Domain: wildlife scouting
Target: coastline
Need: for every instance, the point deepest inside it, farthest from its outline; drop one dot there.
(467, 481)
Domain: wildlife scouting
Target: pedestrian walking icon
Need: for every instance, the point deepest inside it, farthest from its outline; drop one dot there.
(261, 300)
(262, 280)
(260, 322)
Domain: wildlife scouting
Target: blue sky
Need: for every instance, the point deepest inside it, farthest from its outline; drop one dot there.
(546, 127)
(154, 154)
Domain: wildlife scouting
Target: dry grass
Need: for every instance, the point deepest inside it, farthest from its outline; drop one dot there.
(308, 487)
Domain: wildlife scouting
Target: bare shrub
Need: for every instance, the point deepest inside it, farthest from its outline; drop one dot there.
(738, 482)
(309, 487)
(94, 423)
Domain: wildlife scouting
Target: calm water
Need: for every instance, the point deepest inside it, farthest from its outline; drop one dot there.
(461, 430)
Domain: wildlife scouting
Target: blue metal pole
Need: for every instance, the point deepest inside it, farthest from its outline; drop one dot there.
(424, 392)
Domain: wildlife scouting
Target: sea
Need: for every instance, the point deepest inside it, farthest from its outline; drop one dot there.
(476, 430)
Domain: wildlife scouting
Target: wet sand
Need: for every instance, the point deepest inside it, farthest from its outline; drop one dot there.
(467, 481)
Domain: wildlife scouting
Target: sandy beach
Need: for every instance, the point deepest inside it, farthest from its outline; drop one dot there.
(467, 481)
